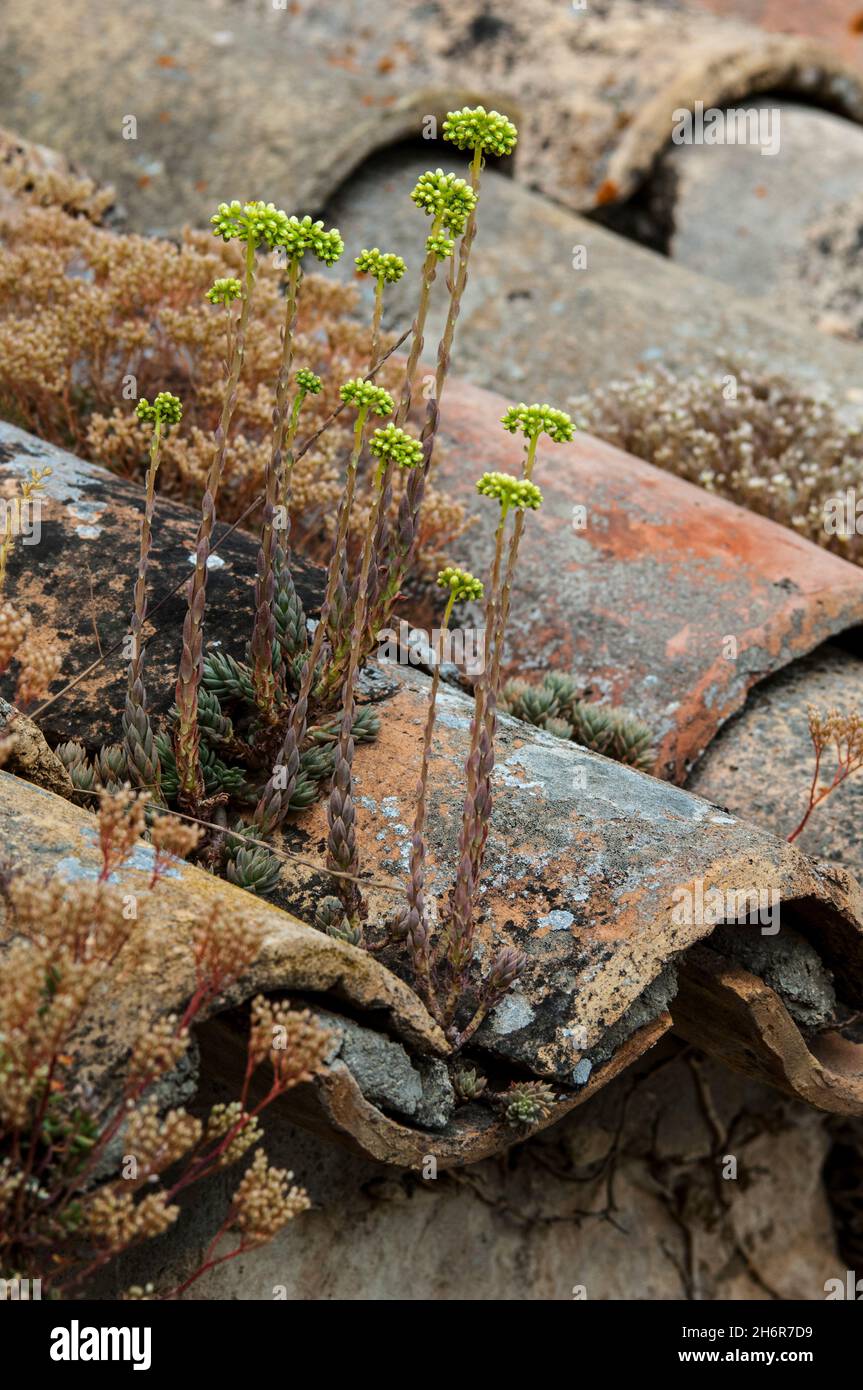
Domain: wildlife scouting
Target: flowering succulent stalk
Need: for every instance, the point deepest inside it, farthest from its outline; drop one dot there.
(274, 802)
(391, 446)
(142, 759)
(250, 223)
(294, 239)
(511, 494)
(533, 421)
(461, 587)
(290, 617)
(468, 129)
(386, 269)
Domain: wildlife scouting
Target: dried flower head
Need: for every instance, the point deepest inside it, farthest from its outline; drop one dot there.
(534, 420)
(172, 836)
(366, 396)
(224, 290)
(308, 382)
(40, 666)
(122, 818)
(265, 1201)
(474, 128)
(445, 197)
(383, 266)
(292, 1039)
(13, 630)
(461, 584)
(167, 409)
(393, 444)
(510, 491)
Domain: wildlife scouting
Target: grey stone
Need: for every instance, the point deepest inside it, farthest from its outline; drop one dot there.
(788, 964)
(743, 217)
(535, 328)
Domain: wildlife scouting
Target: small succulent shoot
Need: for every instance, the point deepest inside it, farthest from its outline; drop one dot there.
(31, 487)
(295, 237)
(460, 586)
(255, 869)
(142, 757)
(254, 224)
(329, 915)
(468, 1083)
(385, 268)
(527, 1103)
(274, 802)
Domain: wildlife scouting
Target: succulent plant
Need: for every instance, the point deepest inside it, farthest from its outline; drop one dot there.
(468, 1083)
(527, 1103)
(329, 914)
(254, 868)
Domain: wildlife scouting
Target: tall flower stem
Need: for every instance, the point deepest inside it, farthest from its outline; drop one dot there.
(377, 315)
(274, 802)
(264, 631)
(404, 535)
(427, 279)
(187, 737)
(419, 936)
(341, 842)
(141, 756)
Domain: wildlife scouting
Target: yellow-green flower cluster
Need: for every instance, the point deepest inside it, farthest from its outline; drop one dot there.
(474, 127)
(446, 197)
(463, 586)
(366, 396)
(391, 443)
(440, 245)
(308, 382)
(534, 420)
(224, 291)
(299, 235)
(265, 223)
(167, 409)
(510, 491)
(384, 266)
(256, 222)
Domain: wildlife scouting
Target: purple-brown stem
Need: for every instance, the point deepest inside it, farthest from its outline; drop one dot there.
(187, 736)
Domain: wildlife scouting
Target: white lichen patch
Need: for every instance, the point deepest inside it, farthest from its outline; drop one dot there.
(512, 1013)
